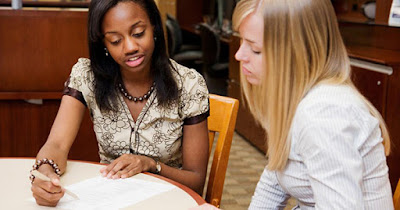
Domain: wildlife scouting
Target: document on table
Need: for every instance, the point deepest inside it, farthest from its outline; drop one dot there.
(102, 193)
(394, 15)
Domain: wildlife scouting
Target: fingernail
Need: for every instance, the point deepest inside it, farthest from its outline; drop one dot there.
(109, 176)
(56, 181)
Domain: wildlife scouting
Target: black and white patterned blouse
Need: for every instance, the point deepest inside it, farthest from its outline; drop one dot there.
(158, 131)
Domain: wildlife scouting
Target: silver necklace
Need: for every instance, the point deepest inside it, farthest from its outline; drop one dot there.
(136, 99)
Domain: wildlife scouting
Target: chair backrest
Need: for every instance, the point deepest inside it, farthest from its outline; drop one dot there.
(174, 33)
(222, 119)
(210, 44)
(396, 197)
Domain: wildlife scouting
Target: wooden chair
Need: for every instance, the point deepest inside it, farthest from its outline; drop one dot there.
(222, 119)
(396, 197)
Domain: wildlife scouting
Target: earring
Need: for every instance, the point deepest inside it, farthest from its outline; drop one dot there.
(105, 49)
(155, 38)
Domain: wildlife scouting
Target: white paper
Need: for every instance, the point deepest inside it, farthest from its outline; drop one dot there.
(102, 193)
(394, 15)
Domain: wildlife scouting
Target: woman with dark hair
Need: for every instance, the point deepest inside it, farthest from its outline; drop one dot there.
(149, 113)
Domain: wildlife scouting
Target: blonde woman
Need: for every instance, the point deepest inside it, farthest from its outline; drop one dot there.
(327, 144)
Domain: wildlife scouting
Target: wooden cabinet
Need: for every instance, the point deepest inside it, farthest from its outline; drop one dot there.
(189, 13)
(373, 85)
(24, 128)
(36, 58)
(351, 10)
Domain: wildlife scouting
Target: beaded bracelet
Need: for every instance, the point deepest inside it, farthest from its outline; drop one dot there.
(39, 163)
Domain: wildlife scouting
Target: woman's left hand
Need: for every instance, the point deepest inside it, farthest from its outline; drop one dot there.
(127, 165)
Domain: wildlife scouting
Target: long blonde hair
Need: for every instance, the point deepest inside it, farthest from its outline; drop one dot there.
(302, 48)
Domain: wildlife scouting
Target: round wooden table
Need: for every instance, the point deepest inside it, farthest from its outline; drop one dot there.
(15, 191)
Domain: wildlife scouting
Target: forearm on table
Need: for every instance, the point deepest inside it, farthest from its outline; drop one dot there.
(192, 179)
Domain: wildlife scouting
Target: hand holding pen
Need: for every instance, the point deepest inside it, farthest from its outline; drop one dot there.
(47, 190)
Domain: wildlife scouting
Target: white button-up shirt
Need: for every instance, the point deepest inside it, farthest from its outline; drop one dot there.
(336, 160)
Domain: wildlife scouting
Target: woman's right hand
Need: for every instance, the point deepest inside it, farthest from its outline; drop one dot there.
(47, 193)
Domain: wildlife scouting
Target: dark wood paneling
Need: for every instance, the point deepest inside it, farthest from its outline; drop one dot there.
(189, 13)
(234, 65)
(347, 12)
(46, 3)
(382, 11)
(376, 36)
(38, 48)
(24, 128)
(372, 85)
(85, 146)
(373, 54)
(29, 95)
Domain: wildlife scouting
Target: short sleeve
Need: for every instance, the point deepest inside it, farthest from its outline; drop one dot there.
(80, 81)
(194, 101)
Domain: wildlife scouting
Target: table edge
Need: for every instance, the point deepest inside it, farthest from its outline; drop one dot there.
(199, 200)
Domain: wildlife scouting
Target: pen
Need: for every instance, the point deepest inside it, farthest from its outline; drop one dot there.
(43, 177)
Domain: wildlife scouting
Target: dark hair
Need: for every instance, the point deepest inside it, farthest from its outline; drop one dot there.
(106, 71)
